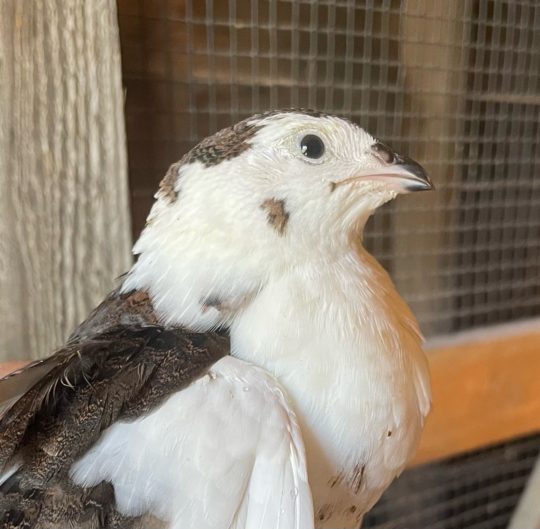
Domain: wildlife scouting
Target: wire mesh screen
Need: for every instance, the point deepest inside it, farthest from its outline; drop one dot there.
(476, 491)
(455, 85)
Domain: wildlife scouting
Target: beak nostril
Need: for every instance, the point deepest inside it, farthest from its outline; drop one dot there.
(383, 152)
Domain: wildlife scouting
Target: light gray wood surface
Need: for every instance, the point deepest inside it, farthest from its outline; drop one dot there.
(64, 217)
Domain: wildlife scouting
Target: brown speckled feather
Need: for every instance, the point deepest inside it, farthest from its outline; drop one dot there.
(224, 145)
(119, 364)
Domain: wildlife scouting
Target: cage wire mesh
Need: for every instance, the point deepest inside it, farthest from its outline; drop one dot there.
(455, 85)
(478, 490)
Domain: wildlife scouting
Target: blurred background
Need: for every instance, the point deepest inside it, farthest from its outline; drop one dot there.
(99, 98)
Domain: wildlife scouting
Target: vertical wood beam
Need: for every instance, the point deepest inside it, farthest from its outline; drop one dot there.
(64, 218)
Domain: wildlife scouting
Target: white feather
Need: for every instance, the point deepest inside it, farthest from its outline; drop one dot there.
(226, 452)
(348, 351)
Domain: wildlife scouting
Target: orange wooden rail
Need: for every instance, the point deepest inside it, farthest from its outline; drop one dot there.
(486, 388)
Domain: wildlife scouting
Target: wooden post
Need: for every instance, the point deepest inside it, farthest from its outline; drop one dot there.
(64, 217)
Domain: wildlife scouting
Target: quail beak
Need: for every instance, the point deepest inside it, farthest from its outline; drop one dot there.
(398, 172)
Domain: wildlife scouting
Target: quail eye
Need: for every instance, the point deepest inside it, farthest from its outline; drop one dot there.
(312, 146)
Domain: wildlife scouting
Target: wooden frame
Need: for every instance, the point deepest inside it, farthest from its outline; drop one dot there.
(486, 389)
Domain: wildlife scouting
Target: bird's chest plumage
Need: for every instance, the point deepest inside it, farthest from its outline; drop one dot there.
(355, 373)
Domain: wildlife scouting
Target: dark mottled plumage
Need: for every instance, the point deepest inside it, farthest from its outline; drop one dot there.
(224, 145)
(167, 184)
(303, 111)
(118, 365)
(118, 309)
(232, 141)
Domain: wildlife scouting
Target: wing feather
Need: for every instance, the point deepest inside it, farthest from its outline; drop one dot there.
(125, 430)
(86, 386)
(19, 382)
(226, 452)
